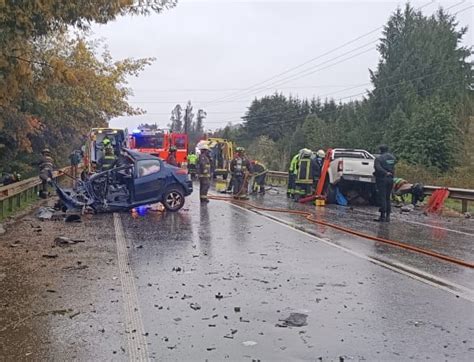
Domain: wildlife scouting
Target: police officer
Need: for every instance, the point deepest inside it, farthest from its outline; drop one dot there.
(46, 165)
(107, 162)
(240, 168)
(384, 172)
(204, 173)
(171, 160)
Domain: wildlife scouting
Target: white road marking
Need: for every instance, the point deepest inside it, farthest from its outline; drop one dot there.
(406, 270)
(421, 224)
(137, 347)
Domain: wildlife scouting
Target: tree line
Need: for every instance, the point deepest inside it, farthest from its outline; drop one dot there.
(421, 103)
(55, 83)
(182, 121)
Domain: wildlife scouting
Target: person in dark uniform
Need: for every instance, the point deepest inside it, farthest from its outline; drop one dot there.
(384, 172)
(204, 173)
(171, 160)
(259, 178)
(108, 161)
(240, 168)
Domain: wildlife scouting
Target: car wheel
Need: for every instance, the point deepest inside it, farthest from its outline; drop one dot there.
(173, 199)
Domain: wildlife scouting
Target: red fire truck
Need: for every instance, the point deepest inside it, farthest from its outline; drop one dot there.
(158, 143)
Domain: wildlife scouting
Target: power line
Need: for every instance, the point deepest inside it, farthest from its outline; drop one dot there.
(399, 84)
(286, 80)
(305, 73)
(288, 121)
(315, 58)
(236, 89)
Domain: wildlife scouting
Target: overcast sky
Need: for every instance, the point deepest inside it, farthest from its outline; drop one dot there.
(219, 53)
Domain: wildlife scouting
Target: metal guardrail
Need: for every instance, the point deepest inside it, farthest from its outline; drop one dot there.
(464, 195)
(16, 196)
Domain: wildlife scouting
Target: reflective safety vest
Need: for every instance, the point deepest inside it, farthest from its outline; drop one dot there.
(192, 159)
(304, 175)
(398, 182)
(294, 164)
(46, 163)
(107, 162)
(204, 166)
(240, 166)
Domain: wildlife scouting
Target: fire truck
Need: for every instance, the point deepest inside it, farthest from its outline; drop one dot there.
(158, 143)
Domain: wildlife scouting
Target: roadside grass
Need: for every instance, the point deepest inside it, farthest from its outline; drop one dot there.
(461, 177)
(456, 205)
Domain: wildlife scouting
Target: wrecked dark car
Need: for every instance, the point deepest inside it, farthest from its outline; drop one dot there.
(137, 179)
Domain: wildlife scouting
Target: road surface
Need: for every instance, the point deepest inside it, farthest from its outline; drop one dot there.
(217, 282)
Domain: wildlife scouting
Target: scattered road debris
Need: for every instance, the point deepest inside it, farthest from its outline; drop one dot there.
(294, 320)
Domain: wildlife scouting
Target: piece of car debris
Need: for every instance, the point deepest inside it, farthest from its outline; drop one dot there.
(195, 306)
(63, 240)
(73, 218)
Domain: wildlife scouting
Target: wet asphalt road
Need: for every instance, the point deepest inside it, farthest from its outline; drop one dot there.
(215, 282)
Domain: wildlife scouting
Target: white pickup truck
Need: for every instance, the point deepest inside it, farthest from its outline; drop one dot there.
(351, 170)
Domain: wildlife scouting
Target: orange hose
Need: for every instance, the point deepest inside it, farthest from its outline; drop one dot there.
(309, 217)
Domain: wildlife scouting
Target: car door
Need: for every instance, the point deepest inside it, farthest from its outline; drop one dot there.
(149, 179)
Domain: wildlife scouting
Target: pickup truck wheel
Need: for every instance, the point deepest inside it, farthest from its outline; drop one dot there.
(173, 199)
(331, 194)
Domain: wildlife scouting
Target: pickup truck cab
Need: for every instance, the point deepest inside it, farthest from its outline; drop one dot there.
(351, 170)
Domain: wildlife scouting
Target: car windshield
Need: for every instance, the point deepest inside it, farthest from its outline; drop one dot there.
(149, 141)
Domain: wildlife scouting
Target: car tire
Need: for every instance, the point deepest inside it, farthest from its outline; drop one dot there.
(173, 198)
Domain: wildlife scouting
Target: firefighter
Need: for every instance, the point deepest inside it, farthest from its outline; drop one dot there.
(46, 165)
(10, 178)
(171, 160)
(384, 166)
(240, 168)
(292, 175)
(304, 174)
(259, 177)
(192, 160)
(402, 187)
(108, 160)
(317, 166)
(204, 173)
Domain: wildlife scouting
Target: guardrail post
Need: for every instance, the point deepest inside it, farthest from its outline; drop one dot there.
(464, 206)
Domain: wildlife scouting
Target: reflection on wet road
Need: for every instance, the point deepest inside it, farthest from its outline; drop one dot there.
(217, 282)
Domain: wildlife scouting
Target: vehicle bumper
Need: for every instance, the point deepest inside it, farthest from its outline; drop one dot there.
(188, 189)
(357, 178)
